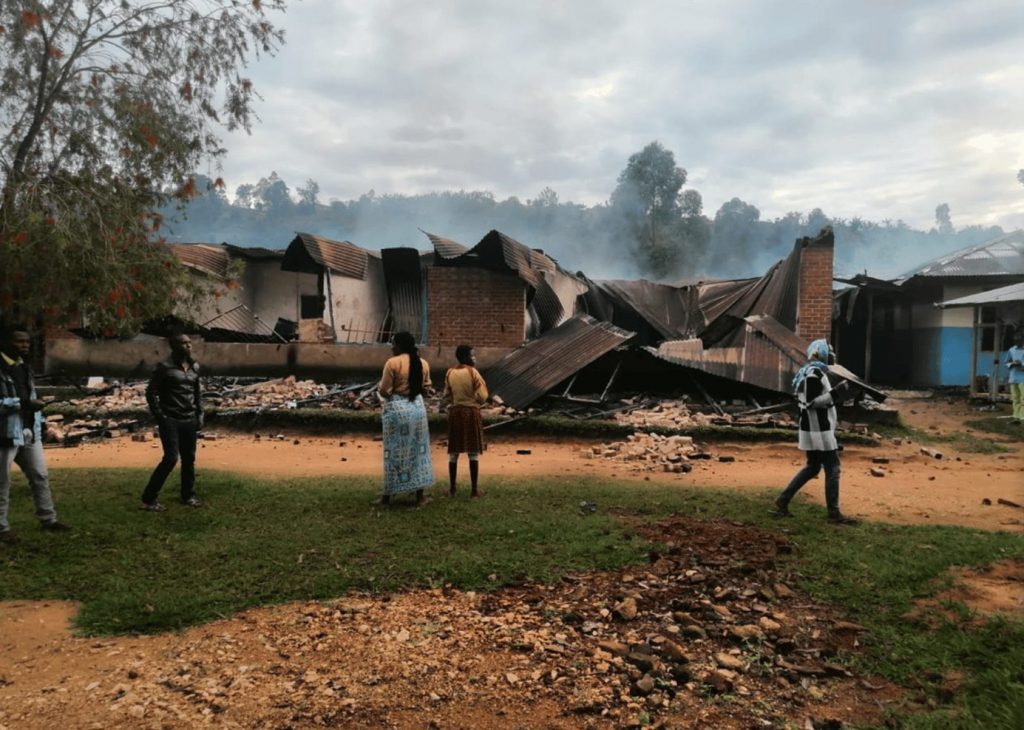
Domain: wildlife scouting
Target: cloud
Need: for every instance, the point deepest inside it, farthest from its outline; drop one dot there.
(882, 110)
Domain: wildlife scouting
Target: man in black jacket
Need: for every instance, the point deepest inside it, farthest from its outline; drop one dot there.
(21, 431)
(173, 395)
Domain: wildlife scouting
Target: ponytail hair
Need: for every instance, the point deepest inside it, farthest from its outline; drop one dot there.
(406, 345)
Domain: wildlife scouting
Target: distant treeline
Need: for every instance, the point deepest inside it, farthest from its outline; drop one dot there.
(618, 239)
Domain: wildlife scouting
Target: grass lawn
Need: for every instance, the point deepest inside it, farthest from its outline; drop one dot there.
(262, 541)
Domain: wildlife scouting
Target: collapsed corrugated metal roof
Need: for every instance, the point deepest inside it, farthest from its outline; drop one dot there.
(204, 257)
(765, 354)
(499, 252)
(403, 278)
(446, 248)
(311, 254)
(531, 370)
(774, 294)
(1001, 257)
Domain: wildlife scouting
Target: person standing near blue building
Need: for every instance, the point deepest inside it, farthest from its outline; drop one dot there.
(1015, 364)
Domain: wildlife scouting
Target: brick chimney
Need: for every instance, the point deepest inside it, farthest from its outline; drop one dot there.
(814, 297)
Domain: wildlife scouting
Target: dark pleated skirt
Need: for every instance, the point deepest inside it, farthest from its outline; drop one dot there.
(465, 430)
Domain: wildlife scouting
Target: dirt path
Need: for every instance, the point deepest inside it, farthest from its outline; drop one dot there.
(916, 488)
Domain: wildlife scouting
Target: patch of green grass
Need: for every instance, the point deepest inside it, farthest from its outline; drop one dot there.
(1008, 428)
(960, 440)
(262, 541)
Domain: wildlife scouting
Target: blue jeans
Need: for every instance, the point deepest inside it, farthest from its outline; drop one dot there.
(178, 439)
(815, 461)
(30, 459)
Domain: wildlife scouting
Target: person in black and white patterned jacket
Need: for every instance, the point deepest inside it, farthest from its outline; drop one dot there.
(817, 402)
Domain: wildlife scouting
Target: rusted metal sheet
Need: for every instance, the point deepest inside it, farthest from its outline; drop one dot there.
(774, 294)
(765, 354)
(547, 306)
(311, 254)
(445, 248)
(533, 369)
(204, 257)
(499, 252)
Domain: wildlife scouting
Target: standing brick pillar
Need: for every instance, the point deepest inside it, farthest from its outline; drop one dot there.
(814, 299)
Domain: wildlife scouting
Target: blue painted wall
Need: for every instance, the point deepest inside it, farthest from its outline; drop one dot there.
(942, 356)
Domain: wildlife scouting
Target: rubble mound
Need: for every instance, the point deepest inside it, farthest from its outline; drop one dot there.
(712, 614)
(679, 415)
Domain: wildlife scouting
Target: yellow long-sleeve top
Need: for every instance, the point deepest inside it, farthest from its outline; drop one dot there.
(395, 379)
(465, 386)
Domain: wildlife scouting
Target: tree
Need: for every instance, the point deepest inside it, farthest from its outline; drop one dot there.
(733, 237)
(105, 109)
(647, 203)
(1020, 176)
(309, 194)
(546, 198)
(943, 222)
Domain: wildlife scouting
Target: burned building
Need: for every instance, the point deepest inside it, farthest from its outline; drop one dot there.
(891, 332)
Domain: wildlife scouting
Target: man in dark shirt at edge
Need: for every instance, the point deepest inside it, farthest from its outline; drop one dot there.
(21, 431)
(174, 400)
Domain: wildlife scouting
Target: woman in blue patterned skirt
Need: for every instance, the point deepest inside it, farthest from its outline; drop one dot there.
(407, 463)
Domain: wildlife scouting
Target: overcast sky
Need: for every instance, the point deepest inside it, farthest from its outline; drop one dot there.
(872, 109)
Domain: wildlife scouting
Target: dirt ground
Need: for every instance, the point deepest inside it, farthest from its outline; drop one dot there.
(603, 650)
(915, 489)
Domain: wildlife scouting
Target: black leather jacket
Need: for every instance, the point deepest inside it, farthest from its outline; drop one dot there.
(173, 392)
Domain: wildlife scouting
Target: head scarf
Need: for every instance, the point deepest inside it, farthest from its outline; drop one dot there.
(817, 357)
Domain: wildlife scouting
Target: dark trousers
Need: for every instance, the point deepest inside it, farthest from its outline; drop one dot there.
(178, 438)
(815, 461)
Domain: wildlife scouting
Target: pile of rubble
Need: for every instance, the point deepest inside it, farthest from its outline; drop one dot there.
(70, 433)
(709, 633)
(677, 414)
(652, 451)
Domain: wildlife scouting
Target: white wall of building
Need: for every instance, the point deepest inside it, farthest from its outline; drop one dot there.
(359, 305)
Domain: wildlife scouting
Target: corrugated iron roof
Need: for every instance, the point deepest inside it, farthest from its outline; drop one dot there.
(1002, 295)
(204, 257)
(446, 248)
(310, 254)
(533, 369)
(1000, 257)
(499, 252)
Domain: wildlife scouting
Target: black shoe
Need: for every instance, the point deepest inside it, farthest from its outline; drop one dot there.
(841, 519)
(152, 507)
(56, 526)
(9, 538)
(781, 509)
(193, 502)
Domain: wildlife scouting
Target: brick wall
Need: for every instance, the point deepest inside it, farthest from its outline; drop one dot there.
(474, 306)
(814, 307)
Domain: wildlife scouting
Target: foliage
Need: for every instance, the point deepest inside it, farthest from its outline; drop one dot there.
(107, 108)
(649, 204)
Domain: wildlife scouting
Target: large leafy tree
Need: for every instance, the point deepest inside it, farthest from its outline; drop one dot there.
(660, 221)
(105, 109)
